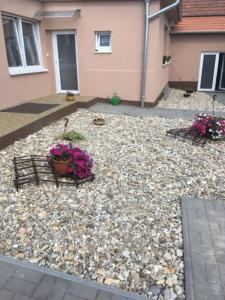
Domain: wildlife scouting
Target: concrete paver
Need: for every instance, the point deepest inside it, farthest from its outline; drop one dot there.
(204, 248)
(6, 295)
(20, 286)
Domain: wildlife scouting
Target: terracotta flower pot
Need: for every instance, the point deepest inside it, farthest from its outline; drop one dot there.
(61, 167)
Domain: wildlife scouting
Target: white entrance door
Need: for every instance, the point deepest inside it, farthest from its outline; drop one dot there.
(208, 71)
(65, 58)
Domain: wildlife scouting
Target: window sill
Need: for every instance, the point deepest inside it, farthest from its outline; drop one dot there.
(27, 71)
(102, 52)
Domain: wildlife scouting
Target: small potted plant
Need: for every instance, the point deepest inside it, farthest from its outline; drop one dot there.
(115, 99)
(68, 160)
(166, 60)
(70, 96)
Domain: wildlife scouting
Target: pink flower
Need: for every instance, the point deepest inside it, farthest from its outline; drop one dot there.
(80, 162)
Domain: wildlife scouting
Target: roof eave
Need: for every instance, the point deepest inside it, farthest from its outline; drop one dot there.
(197, 32)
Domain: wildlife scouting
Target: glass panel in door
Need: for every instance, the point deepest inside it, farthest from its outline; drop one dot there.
(67, 62)
(222, 75)
(208, 71)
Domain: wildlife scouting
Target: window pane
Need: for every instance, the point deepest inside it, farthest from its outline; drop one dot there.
(29, 45)
(223, 74)
(12, 47)
(208, 71)
(104, 40)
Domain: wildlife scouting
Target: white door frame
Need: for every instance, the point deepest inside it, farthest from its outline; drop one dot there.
(215, 70)
(221, 74)
(56, 60)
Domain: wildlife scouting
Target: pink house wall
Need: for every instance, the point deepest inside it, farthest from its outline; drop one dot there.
(99, 74)
(186, 51)
(103, 74)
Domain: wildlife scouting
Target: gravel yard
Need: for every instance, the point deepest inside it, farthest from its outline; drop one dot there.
(124, 229)
(198, 101)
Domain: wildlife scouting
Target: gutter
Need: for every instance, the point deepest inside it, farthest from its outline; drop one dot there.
(147, 19)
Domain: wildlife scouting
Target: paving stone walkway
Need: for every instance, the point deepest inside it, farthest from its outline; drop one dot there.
(186, 114)
(204, 248)
(25, 281)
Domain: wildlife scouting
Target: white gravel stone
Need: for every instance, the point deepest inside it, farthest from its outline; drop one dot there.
(169, 294)
(179, 253)
(126, 253)
(170, 282)
(197, 101)
(132, 207)
(178, 290)
(167, 256)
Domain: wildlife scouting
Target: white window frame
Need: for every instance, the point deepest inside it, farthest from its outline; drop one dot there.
(103, 49)
(25, 69)
(203, 54)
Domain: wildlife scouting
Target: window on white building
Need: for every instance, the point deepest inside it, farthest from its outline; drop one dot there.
(103, 42)
(22, 45)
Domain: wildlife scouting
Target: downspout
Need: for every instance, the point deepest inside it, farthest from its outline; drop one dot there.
(145, 54)
(147, 19)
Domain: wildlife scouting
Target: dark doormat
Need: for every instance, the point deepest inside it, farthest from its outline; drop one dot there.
(31, 108)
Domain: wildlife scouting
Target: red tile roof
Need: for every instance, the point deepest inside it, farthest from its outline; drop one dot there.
(200, 24)
(203, 8)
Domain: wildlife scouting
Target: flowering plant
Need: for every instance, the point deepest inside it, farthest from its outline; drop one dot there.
(210, 126)
(79, 162)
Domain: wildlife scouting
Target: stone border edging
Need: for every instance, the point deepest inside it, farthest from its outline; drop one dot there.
(189, 284)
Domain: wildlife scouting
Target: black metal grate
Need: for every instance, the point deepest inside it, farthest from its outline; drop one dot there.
(190, 134)
(37, 169)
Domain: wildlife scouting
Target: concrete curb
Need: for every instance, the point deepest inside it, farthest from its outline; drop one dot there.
(189, 284)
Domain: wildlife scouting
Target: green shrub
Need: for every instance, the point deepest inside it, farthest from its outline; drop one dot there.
(73, 136)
